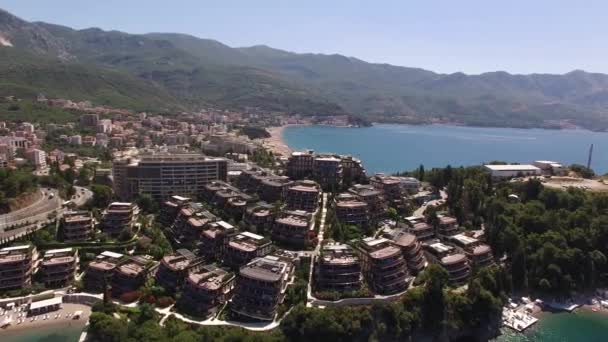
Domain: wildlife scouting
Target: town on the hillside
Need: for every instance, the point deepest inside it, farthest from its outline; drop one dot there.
(199, 215)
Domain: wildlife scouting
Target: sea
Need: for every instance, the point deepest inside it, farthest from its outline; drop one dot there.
(391, 148)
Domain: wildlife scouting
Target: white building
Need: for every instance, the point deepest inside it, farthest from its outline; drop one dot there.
(510, 171)
(550, 167)
(39, 159)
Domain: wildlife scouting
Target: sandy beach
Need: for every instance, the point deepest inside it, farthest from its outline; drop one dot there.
(49, 324)
(276, 143)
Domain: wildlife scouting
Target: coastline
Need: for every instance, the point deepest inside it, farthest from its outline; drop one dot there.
(276, 143)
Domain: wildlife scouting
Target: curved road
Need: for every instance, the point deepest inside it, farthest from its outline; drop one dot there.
(37, 214)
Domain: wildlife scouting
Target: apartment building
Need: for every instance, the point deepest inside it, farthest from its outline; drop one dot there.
(174, 268)
(98, 275)
(170, 209)
(423, 231)
(391, 189)
(244, 247)
(294, 228)
(383, 265)
(17, 265)
(352, 170)
(214, 239)
(339, 268)
(303, 195)
(119, 216)
(300, 165)
(411, 249)
(376, 205)
(261, 287)
(448, 226)
(130, 275)
(479, 254)
(327, 171)
(58, 267)
(189, 224)
(259, 217)
(456, 264)
(77, 225)
(164, 175)
(351, 211)
(206, 289)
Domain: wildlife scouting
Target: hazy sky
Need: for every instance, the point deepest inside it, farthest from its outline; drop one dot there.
(473, 36)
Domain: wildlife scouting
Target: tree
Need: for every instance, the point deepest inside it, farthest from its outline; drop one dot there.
(102, 195)
(147, 204)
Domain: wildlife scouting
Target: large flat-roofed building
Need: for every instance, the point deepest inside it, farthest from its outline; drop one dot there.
(119, 216)
(304, 195)
(339, 268)
(164, 175)
(456, 264)
(17, 264)
(261, 288)
(384, 266)
(206, 289)
(294, 228)
(244, 247)
(351, 211)
(59, 267)
(500, 172)
(99, 271)
(77, 225)
(327, 171)
(173, 269)
(551, 168)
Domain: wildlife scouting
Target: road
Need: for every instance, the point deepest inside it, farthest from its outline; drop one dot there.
(315, 253)
(420, 211)
(43, 211)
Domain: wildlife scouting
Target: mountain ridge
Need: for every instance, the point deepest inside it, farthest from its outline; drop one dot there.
(197, 71)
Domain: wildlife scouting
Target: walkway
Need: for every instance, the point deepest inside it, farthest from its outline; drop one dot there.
(313, 255)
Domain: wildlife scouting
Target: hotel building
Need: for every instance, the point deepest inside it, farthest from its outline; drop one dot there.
(294, 228)
(99, 271)
(456, 264)
(164, 175)
(119, 216)
(214, 239)
(351, 211)
(173, 269)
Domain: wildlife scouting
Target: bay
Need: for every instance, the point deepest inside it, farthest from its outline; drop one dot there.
(391, 148)
(581, 326)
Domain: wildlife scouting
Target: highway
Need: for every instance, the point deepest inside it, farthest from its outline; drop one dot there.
(42, 211)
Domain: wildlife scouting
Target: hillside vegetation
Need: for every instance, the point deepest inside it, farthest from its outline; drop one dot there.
(170, 69)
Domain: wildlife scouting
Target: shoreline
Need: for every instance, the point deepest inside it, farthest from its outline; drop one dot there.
(276, 143)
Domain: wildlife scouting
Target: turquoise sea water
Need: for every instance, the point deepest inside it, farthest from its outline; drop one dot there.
(563, 327)
(391, 148)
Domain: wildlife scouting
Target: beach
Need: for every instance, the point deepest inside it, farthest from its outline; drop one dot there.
(62, 326)
(276, 143)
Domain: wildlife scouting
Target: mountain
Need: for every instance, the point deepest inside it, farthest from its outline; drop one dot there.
(190, 72)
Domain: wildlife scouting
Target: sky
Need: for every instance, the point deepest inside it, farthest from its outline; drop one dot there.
(471, 36)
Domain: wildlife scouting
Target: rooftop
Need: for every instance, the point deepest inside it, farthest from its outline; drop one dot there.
(513, 167)
(453, 259)
(265, 269)
(338, 254)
